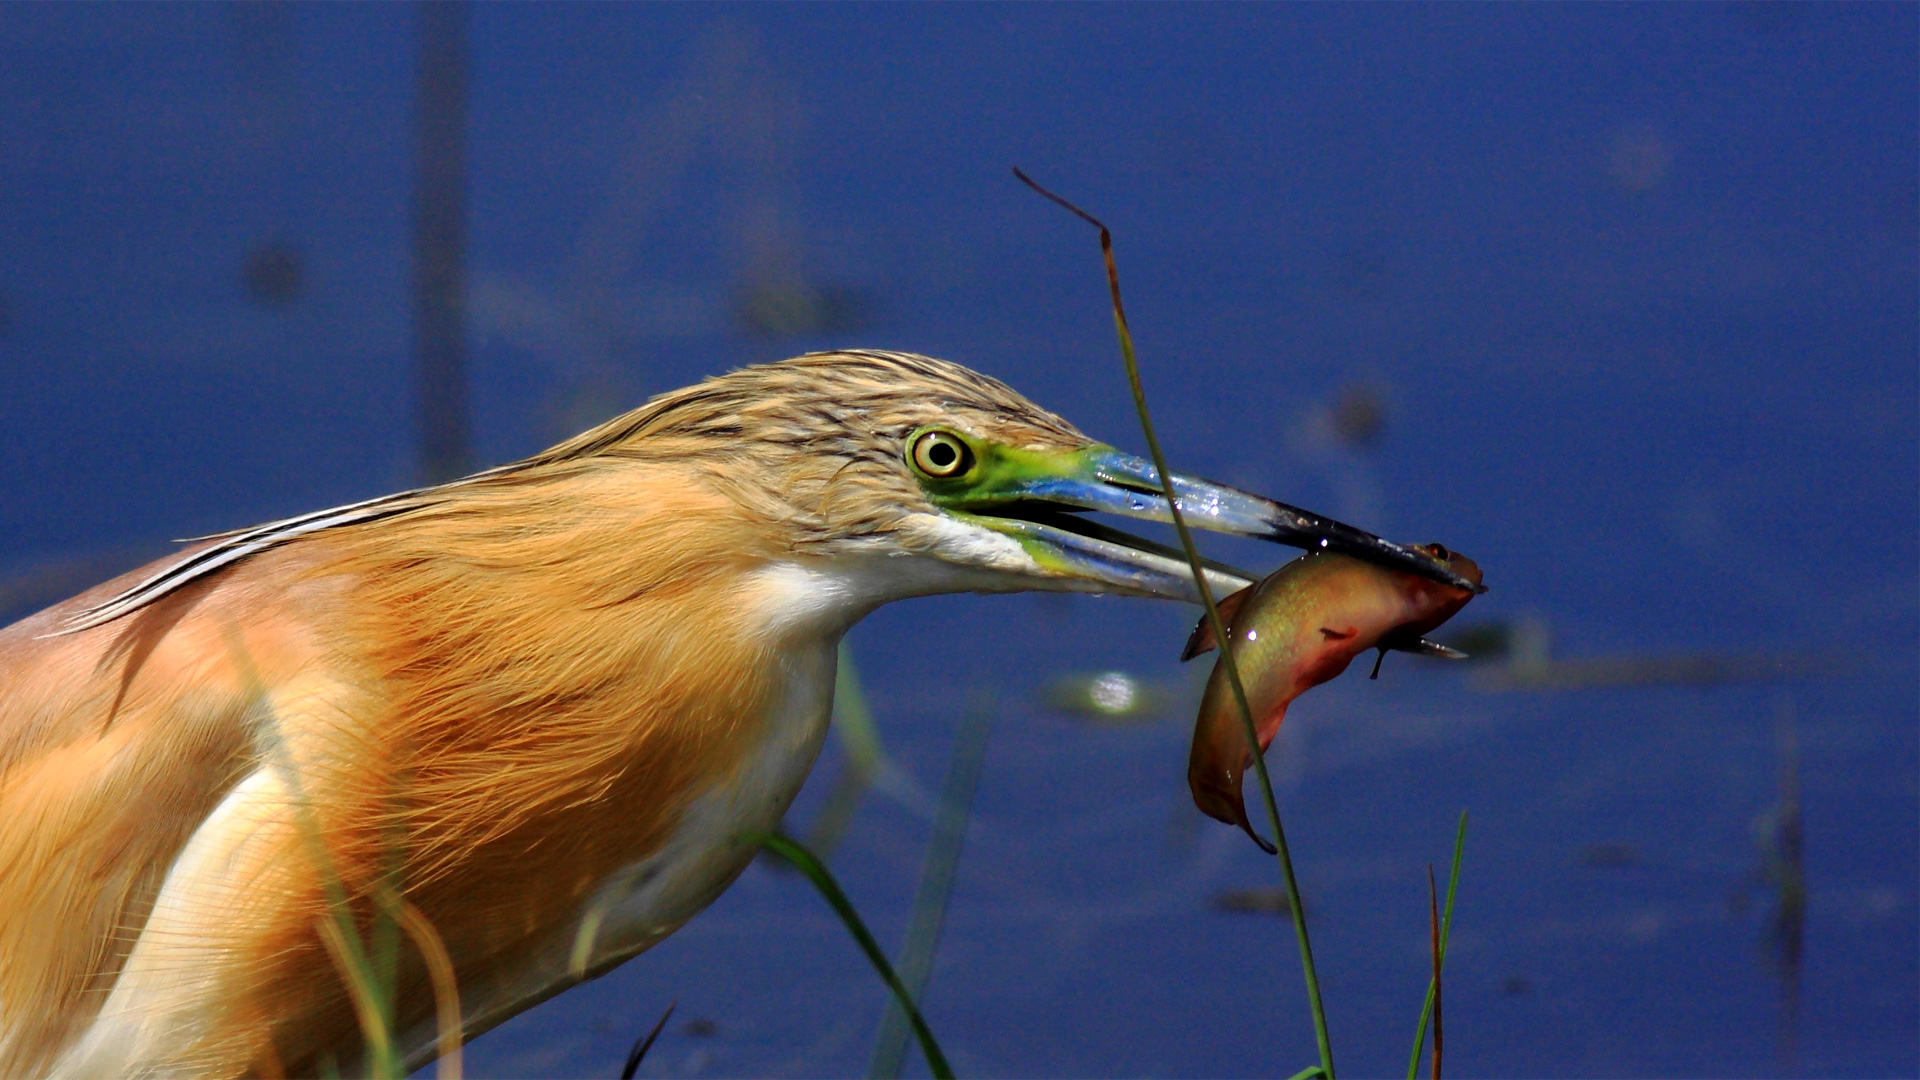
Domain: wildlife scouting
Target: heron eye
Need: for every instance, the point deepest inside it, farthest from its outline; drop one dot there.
(940, 455)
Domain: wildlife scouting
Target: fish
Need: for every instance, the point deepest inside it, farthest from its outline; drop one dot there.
(1298, 627)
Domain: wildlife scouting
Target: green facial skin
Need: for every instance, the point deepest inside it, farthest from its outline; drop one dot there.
(999, 478)
(999, 473)
(1003, 474)
(1295, 629)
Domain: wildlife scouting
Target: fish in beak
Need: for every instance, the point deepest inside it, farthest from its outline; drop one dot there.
(1300, 627)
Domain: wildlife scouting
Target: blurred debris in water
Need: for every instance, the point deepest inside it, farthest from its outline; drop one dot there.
(783, 309)
(1515, 654)
(1360, 417)
(1483, 642)
(1779, 836)
(1671, 669)
(274, 274)
(1609, 856)
(701, 1028)
(1107, 697)
(1333, 438)
(1266, 900)
(1515, 986)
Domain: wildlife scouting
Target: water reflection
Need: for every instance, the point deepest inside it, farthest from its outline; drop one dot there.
(1779, 838)
(1516, 654)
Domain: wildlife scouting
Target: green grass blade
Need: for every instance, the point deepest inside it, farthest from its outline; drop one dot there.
(1311, 1072)
(383, 934)
(1195, 563)
(1446, 925)
(836, 813)
(853, 721)
(816, 872)
(936, 885)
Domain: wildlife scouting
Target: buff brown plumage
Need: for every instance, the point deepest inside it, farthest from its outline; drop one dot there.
(550, 693)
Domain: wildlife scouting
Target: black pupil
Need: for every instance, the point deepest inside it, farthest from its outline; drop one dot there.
(942, 455)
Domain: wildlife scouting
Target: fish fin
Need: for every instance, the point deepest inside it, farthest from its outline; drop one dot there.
(1201, 640)
(1424, 647)
(1247, 827)
(1419, 647)
(1331, 634)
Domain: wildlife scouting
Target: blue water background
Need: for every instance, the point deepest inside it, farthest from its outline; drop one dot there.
(1635, 287)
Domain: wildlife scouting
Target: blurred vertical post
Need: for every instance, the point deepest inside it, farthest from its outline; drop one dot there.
(439, 238)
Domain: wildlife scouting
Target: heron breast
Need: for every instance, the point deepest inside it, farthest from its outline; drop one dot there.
(804, 611)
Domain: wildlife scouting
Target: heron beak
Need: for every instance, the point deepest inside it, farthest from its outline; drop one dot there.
(1037, 498)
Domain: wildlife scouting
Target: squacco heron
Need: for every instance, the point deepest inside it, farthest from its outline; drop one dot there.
(552, 693)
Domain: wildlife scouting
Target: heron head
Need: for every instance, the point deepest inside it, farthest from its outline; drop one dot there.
(956, 476)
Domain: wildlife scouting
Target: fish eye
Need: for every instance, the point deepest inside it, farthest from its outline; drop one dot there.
(1440, 552)
(940, 455)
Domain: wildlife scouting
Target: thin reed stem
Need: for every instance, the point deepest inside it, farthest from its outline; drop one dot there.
(645, 1043)
(446, 989)
(1214, 622)
(362, 991)
(1433, 985)
(1433, 929)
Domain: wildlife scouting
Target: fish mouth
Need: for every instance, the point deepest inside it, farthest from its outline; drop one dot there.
(1041, 502)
